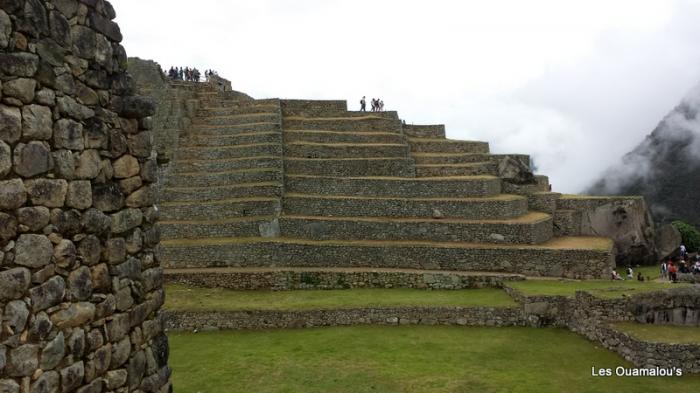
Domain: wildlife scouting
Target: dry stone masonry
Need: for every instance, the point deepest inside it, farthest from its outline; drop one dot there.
(308, 184)
(80, 281)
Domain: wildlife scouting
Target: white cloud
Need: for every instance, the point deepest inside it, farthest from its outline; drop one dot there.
(574, 83)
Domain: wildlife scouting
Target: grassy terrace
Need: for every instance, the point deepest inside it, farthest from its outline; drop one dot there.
(186, 298)
(661, 333)
(600, 288)
(422, 359)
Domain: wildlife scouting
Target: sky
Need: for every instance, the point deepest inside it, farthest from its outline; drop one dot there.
(575, 84)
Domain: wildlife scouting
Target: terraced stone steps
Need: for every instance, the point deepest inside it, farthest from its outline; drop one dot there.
(290, 278)
(221, 209)
(225, 164)
(466, 186)
(222, 178)
(216, 130)
(250, 226)
(218, 193)
(449, 158)
(365, 123)
(237, 119)
(343, 137)
(424, 131)
(498, 207)
(532, 228)
(576, 257)
(244, 138)
(470, 169)
(352, 167)
(429, 145)
(541, 185)
(344, 150)
(228, 152)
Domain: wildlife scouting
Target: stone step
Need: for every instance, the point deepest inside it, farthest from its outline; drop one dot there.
(448, 158)
(394, 115)
(343, 137)
(291, 278)
(498, 207)
(239, 109)
(541, 185)
(233, 129)
(532, 228)
(573, 257)
(231, 227)
(218, 193)
(466, 186)
(470, 169)
(226, 208)
(233, 151)
(227, 164)
(339, 167)
(429, 145)
(313, 108)
(245, 138)
(424, 131)
(235, 176)
(344, 150)
(234, 120)
(543, 201)
(366, 123)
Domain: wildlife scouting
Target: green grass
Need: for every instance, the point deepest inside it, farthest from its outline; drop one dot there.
(600, 288)
(420, 359)
(186, 298)
(669, 334)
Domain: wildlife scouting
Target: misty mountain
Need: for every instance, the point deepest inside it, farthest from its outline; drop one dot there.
(665, 167)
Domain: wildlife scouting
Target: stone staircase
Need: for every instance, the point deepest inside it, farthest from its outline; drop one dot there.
(307, 184)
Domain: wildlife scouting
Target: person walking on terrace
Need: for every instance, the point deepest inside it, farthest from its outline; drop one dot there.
(363, 104)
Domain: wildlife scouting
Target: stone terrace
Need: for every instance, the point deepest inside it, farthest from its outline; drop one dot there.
(308, 184)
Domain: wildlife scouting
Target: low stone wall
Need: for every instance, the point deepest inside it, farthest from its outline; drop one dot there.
(281, 280)
(678, 306)
(313, 108)
(642, 353)
(237, 320)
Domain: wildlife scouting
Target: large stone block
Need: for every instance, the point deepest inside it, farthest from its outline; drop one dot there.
(37, 122)
(19, 64)
(31, 159)
(20, 88)
(48, 294)
(14, 283)
(34, 218)
(13, 194)
(89, 165)
(79, 194)
(33, 251)
(47, 192)
(126, 166)
(77, 314)
(10, 123)
(68, 134)
(22, 361)
(8, 227)
(70, 107)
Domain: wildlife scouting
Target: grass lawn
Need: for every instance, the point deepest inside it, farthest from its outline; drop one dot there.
(402, 359)
(181, 298)
(601, 288)
(661, 333)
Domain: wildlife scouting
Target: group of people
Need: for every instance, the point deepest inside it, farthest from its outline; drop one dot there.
(377, 105)
(189, 74)
(685, 265)
(671, 267)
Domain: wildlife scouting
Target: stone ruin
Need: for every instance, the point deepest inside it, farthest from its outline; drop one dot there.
(291, 184)
(80, 282)
(275, 193)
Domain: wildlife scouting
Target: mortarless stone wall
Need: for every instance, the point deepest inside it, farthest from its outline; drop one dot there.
(80, 283)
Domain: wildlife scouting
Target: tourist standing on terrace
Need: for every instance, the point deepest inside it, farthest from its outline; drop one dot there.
(363, 105)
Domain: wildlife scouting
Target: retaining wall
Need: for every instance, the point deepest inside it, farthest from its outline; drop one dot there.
(79, 275)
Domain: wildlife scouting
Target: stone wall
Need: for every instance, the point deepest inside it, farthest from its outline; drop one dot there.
(236, 320)
(80, 283)
(294, 279)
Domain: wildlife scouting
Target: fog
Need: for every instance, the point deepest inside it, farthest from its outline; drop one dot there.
(575, 84)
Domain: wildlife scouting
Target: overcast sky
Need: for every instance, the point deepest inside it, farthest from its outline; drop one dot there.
(575, 84)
